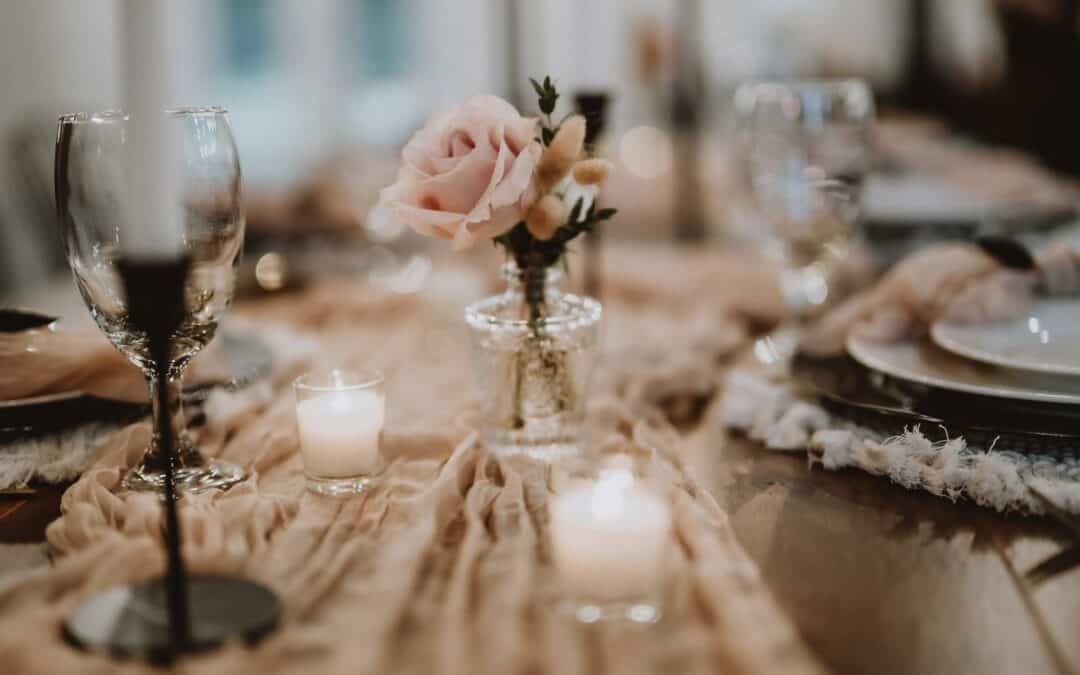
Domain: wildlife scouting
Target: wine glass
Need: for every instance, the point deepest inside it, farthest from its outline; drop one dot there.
(92, 194)
(807, 150)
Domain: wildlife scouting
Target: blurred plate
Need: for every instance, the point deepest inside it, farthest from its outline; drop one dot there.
(922, 362)
(912, 200)
(1045, 340)
(891, 407)
(901, 213)
(248, 359)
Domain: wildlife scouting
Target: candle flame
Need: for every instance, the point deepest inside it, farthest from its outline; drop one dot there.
(609, 494)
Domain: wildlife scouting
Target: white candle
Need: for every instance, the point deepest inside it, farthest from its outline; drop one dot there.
(152, 225)
(609, 539)
(340, 432)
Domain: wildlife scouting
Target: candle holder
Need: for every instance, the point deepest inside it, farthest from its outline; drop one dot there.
(609, 541)
(339, 418)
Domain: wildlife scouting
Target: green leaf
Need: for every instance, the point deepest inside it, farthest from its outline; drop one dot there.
(546, 135)
(537, 87)
(604, 214)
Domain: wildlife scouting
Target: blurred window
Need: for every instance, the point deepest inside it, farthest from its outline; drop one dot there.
(378, 39)
(248, 28)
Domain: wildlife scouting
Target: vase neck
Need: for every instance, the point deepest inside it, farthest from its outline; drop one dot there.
(518, 279)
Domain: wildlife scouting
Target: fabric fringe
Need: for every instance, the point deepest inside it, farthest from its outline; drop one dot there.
(770, 413)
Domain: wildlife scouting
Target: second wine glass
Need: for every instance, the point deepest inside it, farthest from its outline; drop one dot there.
(807, 149)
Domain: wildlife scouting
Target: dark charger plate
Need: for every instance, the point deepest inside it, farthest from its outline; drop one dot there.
(889, 406)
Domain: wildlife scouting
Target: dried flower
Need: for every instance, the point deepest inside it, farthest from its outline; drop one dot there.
(561, 152)
(545, 216)
(592, 171)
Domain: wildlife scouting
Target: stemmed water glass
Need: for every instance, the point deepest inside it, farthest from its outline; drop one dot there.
(92, 191)
(806, 148)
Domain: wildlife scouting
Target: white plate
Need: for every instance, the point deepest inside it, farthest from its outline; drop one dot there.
(1045, 340)
(914, 200)
(925, 363)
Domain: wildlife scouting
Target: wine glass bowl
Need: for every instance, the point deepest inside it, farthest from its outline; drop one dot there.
(806, 148)
(93, 189)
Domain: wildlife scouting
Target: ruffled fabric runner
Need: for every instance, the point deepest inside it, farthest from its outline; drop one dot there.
(444, 566)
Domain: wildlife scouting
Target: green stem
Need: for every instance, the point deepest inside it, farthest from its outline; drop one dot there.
(533, 277)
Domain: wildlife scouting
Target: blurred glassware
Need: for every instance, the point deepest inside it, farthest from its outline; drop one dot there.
(823, 128)
(91, 189)
(807, 150)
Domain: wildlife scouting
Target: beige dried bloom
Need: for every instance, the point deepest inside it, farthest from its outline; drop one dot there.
(561, 152)
(545, 216)
(592, 171)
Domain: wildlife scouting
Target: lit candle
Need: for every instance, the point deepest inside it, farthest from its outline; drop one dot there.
(152, 226)
(340, 420)
(609, 539)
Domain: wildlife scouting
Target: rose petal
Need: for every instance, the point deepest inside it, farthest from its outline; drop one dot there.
(499, 221)
(482, 210)
(467, 174)
(516, 181)
(425, 221)
(460, 189)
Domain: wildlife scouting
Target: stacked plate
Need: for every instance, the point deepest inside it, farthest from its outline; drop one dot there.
(902, 212)
(1033, 358)
(1011, 384)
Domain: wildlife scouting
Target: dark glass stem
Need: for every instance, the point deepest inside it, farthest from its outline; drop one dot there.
(169, 410)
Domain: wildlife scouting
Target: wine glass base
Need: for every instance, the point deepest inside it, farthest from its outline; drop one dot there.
(628, 614)
(338, 487)
(133, 621)
(216, 475)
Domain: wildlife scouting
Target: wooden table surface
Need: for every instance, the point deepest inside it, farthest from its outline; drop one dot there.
(884, 580)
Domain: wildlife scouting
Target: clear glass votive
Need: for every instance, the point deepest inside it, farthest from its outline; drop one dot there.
(609, 541)
(339, 417)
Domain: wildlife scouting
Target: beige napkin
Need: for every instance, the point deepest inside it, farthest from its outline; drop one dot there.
(54, 360)
(954, 281)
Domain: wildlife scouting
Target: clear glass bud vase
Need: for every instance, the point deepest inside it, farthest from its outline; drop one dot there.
(534, 349)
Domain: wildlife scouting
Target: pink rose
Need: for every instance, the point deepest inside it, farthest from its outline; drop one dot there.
(467, 175)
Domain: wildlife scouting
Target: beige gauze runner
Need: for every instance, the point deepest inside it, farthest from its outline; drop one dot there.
(443, 567)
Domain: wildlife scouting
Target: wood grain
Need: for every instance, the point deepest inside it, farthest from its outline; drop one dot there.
(883, 580)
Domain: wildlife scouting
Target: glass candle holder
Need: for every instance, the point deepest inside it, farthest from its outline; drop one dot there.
(339, 417)
(609, 540)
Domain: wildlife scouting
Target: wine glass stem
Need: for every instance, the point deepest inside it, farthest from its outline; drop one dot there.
(170, 412)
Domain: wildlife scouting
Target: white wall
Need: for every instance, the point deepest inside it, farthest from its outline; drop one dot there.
(54, 54)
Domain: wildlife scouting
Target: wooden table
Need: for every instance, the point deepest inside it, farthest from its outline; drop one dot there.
(883, 580)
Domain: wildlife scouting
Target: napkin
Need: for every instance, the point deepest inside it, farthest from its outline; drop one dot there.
(955, 281)
(54, 360)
